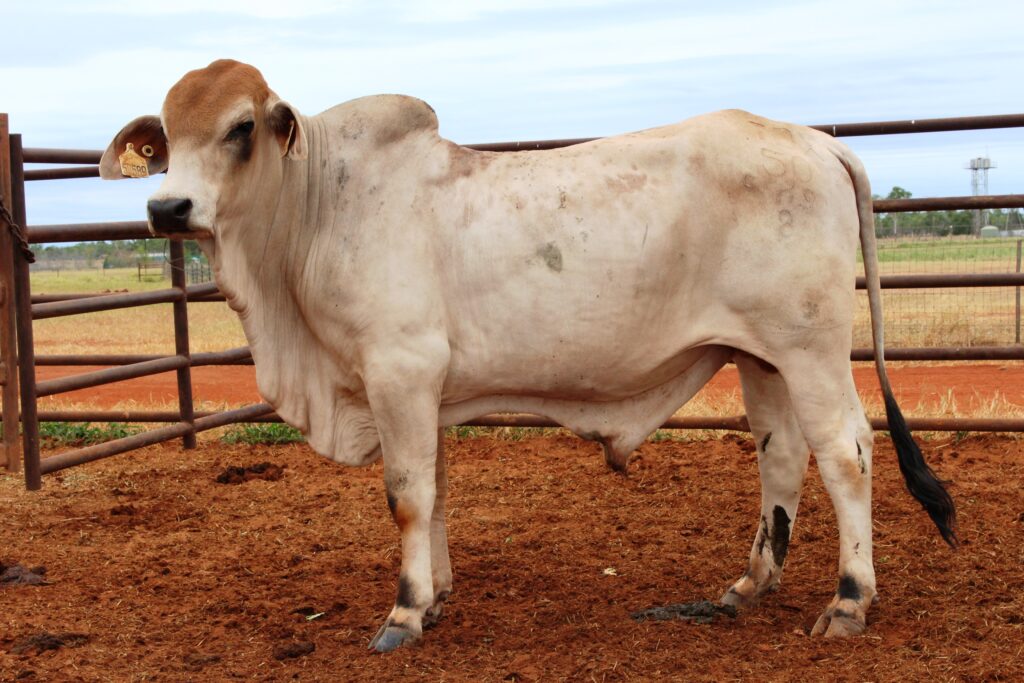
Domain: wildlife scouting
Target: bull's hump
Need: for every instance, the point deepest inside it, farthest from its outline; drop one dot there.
(383, 119)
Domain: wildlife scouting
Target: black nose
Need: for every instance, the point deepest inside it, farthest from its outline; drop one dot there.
(169, 215)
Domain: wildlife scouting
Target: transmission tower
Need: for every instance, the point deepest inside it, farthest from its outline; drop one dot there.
(979, 167)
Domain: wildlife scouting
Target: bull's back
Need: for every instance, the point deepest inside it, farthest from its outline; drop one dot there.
(609, 259)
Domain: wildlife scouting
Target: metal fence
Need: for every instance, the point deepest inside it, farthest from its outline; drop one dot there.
(18, 309)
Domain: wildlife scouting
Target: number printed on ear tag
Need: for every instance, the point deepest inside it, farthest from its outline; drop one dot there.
(133, 165)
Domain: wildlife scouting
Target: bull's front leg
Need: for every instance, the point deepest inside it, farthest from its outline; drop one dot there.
(440, 563)
(405, 398)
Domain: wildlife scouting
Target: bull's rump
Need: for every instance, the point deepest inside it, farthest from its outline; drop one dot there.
(599, 265)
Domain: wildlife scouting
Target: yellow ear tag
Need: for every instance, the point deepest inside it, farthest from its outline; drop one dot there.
(133, 165)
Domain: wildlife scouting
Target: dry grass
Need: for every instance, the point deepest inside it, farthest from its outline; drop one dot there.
(147, 329)
(972, 316)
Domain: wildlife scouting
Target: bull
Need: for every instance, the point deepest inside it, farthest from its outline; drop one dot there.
(391, 283)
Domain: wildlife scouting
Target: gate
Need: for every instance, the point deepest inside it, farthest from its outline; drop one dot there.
(18, 309)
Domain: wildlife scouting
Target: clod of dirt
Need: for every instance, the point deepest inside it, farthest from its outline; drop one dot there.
(293, 650)
(41, 642)
(18, 575)
(700, 612)
(239, 475)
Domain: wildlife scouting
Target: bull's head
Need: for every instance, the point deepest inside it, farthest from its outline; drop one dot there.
(223, 137)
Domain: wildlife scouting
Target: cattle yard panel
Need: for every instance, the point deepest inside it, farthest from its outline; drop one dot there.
(185, 423)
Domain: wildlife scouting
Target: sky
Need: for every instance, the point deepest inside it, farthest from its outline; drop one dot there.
(72, 73)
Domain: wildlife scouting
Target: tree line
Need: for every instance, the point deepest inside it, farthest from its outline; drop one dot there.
(942, 223)
(112, 253)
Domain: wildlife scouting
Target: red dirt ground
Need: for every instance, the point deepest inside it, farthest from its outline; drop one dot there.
(972, 385)
(159, 573)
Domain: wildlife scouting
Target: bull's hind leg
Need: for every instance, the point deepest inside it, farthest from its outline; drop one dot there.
(782, 455)
(833, 422)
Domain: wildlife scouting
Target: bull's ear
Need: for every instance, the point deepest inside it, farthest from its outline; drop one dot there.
(146, 136)
(287, 127)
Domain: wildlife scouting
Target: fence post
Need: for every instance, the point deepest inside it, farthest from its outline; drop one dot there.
(26, 348)
(1017, 337)
(178, 280)
(8, 332)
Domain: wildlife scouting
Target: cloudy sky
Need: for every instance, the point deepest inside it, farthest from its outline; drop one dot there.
(72, 73)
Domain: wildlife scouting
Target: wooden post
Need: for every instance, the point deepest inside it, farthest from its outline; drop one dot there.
(8, 344)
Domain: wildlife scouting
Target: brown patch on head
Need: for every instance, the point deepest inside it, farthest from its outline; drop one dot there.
(195, 104)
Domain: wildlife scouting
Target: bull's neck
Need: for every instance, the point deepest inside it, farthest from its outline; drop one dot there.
(259, 258)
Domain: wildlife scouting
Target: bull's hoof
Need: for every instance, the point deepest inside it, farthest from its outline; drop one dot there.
(745, 594)
(392, 636)
(837, 622)
(737, 600)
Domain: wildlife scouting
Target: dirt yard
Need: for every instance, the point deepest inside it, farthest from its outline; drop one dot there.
(156, 571)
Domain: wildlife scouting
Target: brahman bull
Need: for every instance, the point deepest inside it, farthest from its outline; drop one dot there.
(391, 282)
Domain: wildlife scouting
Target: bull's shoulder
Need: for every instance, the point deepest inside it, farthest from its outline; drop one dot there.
(381, 119)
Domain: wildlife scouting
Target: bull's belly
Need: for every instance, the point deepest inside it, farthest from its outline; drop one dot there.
(620, 418)
(576, 372)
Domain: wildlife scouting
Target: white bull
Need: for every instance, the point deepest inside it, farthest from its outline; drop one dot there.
(391, 282)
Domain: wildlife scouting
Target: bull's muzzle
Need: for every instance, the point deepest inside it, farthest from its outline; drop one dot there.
(169, 216)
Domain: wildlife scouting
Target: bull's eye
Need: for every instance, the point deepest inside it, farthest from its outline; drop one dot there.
(241, 132)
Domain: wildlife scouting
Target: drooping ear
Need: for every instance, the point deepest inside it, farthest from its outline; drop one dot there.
(146, 136)
(286, 124)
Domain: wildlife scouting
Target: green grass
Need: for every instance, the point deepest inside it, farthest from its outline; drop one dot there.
(947, 249)
(76, 434)
(94, 280)
(269, 434)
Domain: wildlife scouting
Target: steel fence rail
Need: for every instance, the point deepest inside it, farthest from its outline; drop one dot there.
(89, 232)
(262, 413)
(206, 291)
(97, 378)
(105, 450)
(237, 356)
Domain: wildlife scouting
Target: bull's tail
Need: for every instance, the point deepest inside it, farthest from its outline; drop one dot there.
(920, 479)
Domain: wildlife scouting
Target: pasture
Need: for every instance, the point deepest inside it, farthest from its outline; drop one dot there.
(158, 571)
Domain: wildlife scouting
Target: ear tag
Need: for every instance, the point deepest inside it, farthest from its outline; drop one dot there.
(133, 165)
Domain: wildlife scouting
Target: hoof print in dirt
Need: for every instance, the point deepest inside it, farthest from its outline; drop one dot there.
(13, 574)
(195, 661)
(294, 650)
(700, 612)
(41, 642)
(240, 475)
